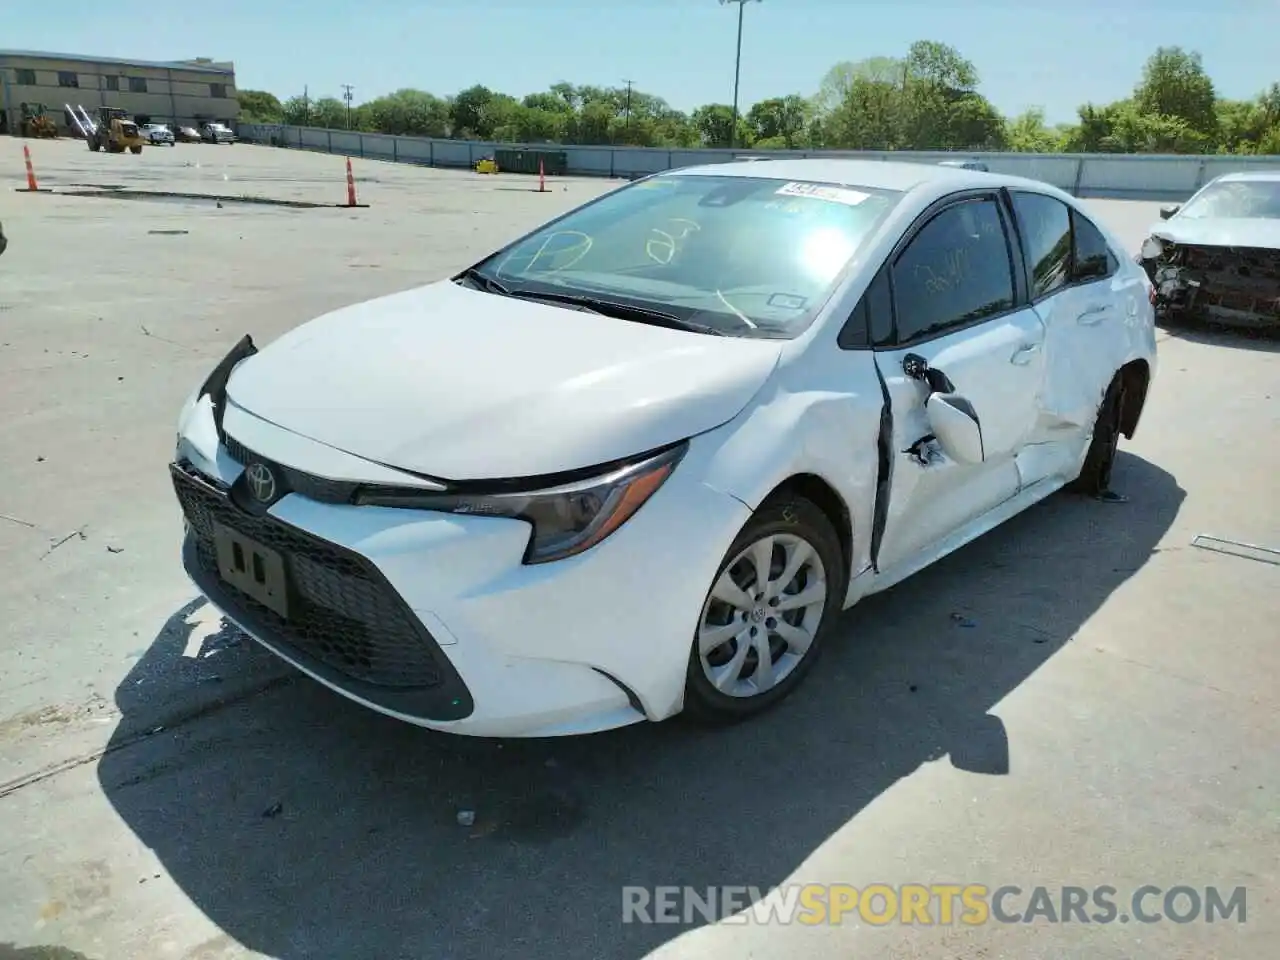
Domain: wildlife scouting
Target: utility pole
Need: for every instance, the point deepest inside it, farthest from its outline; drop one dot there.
(628, 109)
(737, 69)
(346, 95)
(306, 107)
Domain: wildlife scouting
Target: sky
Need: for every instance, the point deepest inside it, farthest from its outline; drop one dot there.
(1032, 53)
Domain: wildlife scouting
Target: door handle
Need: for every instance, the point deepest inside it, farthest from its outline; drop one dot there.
(1022, 356)
(1093, 315)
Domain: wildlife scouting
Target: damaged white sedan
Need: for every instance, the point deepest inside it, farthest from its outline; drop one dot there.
(1217, 256)
(638, 461)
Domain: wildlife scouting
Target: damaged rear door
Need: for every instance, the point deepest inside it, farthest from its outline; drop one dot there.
(956, 301)
(1087, 303)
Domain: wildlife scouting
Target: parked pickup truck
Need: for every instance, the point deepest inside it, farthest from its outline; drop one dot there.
(216, 133)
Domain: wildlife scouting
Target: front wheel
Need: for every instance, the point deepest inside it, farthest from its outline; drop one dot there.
(774, 597)
(1095, 476)
(135, 149)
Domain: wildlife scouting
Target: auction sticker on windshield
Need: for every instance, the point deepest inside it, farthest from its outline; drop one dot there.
(821, 192)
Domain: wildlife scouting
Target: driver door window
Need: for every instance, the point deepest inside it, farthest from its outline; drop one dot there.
(955, 272)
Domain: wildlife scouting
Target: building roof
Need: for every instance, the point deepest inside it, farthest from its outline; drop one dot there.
(154, 64)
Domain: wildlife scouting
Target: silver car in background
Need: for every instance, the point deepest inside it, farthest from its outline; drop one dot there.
(157, 134)
(1217, 257)
(965, 165)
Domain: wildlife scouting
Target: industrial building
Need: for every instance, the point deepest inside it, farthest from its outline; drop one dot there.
(179, 91)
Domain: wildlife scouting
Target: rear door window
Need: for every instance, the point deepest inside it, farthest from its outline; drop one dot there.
(1046, 237)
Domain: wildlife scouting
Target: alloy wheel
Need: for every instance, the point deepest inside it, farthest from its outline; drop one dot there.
(762, 615)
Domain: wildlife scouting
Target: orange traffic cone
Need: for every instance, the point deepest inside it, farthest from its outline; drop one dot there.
(542, 177)
(351, 185)
(32, 185)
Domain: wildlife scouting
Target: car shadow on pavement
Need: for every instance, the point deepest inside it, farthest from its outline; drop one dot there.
(1263, 339)
(305, 826)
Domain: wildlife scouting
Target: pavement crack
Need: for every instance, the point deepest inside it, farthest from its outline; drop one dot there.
(179, 719)
(1169, 674)
(70, 536)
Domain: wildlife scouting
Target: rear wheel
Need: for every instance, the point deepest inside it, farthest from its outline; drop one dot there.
(137, 149)
(772, 602)
(1095, 475)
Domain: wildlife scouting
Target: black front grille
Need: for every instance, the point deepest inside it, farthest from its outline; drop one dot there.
(304, 484)
(342, 611)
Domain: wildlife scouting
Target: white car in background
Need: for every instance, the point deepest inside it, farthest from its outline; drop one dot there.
(157, 134)
(638, 461)
(1217, 256)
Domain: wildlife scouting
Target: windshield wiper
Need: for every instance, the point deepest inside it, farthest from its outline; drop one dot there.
(484, 282)
(623, 311)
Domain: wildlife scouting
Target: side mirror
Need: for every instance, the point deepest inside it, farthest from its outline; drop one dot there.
(955, 423)
(1169, 210)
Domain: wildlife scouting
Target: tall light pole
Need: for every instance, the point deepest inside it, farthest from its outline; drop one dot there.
(737, 69)
(629, 84)
(346, 95)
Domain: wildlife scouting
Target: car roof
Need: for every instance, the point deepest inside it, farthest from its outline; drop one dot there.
(1244, 176)
(900, 175)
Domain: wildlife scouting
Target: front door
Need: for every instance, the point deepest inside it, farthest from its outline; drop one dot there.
(956, 305)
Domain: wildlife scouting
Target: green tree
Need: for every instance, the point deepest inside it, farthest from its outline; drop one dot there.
(296, 112)
(1174, 84)
(714, 124)
(1028, 133)
(925, 100)
(941, 107)
(470, 115)
(780, 120)
(258, 106)
(409, 113)
(329, 112)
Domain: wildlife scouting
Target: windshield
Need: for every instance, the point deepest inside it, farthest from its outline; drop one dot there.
(747, 256)
(1248, 199)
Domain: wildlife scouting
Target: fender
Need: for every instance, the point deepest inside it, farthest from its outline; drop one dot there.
(830, 434)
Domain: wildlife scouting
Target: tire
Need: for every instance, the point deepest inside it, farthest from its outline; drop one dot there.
(135, 149)
(1095, 475)
(790, 523)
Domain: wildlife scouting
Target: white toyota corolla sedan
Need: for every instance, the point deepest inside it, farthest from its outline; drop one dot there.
(639, 461)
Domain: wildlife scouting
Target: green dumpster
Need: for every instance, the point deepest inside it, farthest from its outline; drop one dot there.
(555, 163)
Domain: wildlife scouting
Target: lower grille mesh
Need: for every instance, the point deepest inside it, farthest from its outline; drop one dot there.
(342, 612)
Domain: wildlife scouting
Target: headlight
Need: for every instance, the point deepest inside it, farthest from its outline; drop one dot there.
(566, 519)
(1152, 247)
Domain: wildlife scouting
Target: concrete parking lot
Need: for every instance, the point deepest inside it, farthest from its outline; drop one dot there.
(1081, 698)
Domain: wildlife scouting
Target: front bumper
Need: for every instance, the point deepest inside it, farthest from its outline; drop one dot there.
(433, 619)
(1233, 287)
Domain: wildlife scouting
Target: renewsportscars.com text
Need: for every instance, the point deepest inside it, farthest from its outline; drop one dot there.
(932, 904)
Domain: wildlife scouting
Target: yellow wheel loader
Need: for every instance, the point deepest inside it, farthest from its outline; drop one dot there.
(115, 132)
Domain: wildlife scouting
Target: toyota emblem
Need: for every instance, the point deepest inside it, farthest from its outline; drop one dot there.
(262, 483)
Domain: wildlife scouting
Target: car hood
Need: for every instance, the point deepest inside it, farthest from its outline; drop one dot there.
(463, 385)
(1220, 232)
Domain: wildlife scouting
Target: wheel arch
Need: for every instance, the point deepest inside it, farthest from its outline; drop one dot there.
(825, 497)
